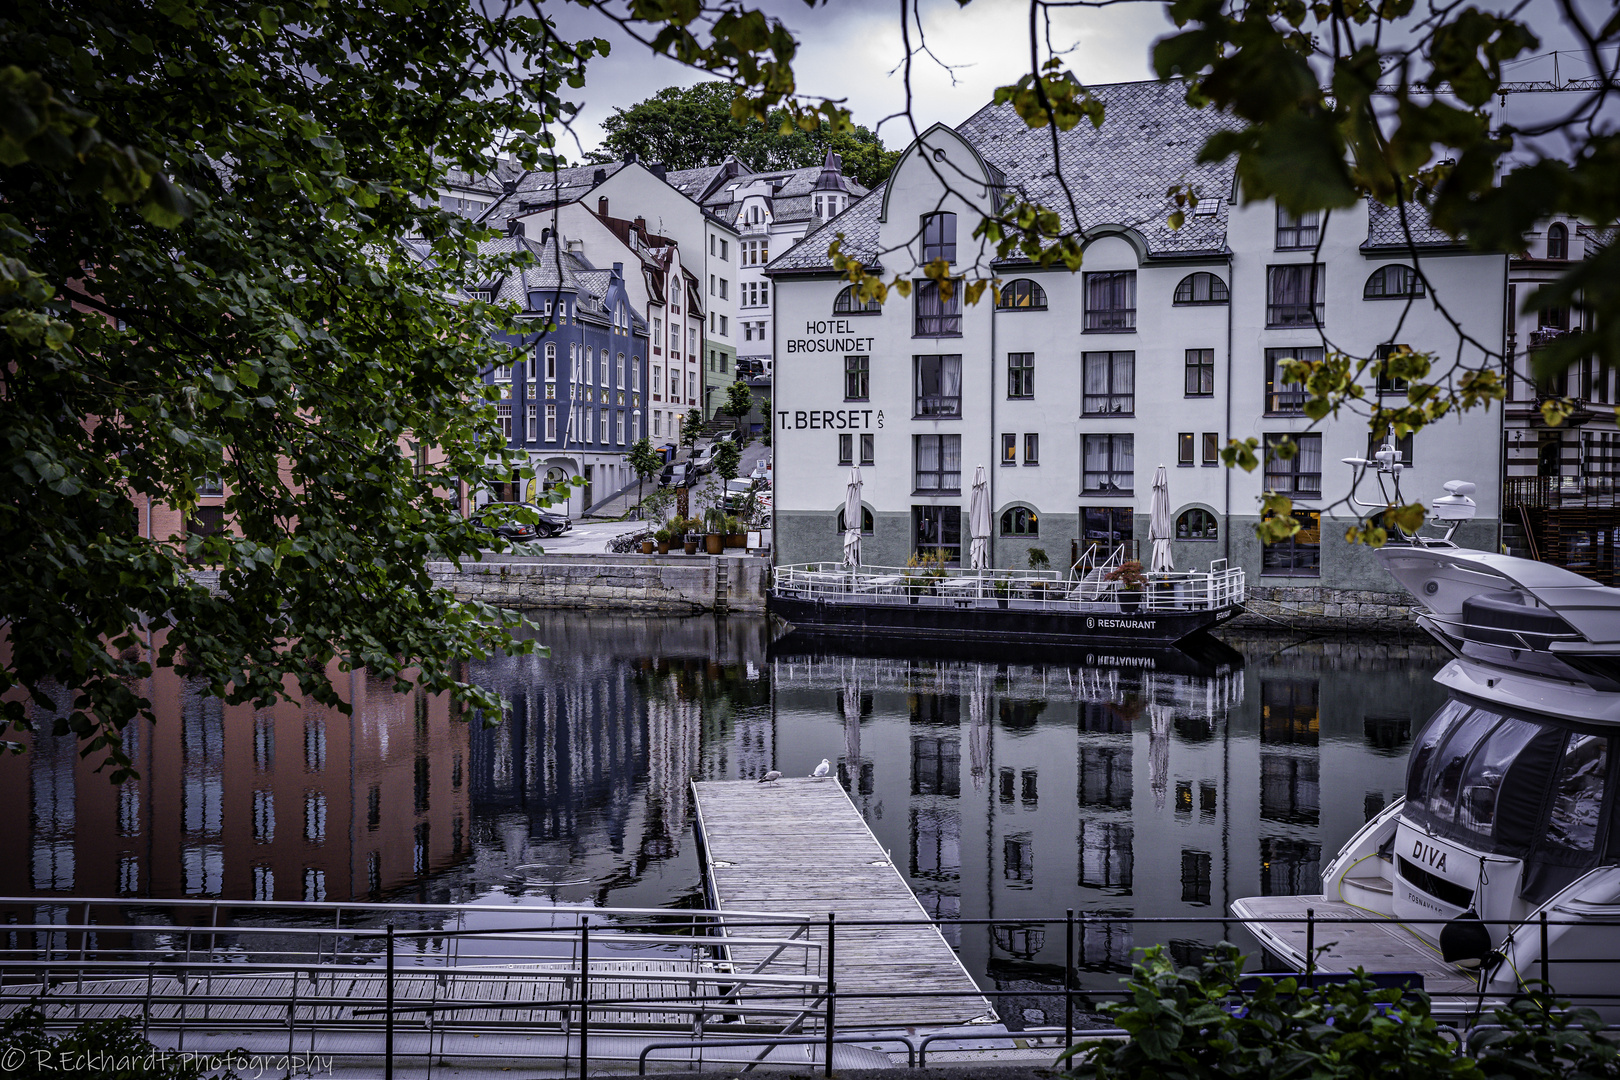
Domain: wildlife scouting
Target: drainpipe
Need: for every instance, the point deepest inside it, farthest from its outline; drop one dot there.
(1502, 444)
(995, 467)
(1231, 302)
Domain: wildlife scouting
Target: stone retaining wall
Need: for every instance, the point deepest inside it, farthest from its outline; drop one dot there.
(1311, 607)
(653, 584)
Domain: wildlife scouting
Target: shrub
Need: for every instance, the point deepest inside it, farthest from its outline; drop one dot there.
(1128, 574)
(1188, 1024)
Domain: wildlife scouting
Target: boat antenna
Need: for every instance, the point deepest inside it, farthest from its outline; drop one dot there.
(1453, 508)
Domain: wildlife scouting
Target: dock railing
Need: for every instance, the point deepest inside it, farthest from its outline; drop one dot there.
(406, 985)
(1219, 587)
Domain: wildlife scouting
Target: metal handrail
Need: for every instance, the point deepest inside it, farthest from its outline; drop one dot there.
(1044, 590)
(789, 999)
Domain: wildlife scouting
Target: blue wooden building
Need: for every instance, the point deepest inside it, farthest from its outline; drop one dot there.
(572, 399)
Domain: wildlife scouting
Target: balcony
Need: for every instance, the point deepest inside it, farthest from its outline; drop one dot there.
(1540, 339)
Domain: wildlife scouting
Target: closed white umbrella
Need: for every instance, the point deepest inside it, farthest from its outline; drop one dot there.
(852, 519)
(1159, 526)
(979, 521)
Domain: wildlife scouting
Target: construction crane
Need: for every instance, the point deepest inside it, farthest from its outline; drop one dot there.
(1555, 85)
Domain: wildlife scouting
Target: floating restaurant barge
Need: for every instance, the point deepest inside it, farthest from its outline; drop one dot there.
(1031, 607)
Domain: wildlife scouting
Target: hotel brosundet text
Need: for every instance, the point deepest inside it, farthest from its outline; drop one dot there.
(1073, 388)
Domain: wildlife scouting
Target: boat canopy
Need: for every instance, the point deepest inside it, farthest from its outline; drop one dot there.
(1522, 786)
(1443, 579)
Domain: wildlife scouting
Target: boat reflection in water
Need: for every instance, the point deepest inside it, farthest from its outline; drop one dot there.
(1005, 788)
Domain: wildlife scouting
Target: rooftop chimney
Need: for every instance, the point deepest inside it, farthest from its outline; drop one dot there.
(658, 169)
(618, 270)
(514, 227)
(598, 176)
(641, 227)
(601, 206)
(630, 157)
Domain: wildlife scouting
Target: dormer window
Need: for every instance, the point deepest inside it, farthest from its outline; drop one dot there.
(1557, 241)
(483, 295)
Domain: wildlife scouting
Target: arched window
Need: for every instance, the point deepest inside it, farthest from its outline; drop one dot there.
(866, 521)
(551, 359)
(1022, 294)
(1393, 282)
(1196, 524)
(1557, 241)
(848, 303)
(1201, 288)
(1020, 521)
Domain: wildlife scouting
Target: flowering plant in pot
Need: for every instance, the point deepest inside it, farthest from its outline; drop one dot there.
(1131, 579)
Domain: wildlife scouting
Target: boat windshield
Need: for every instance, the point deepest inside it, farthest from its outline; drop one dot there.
(1484, 778)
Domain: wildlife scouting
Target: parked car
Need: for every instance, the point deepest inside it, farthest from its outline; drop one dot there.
(702, 461)
(736, 494)
(675, 473)
(552, 523)
(517, 531)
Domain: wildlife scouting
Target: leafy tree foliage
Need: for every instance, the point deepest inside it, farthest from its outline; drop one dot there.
(727, 460)
(201, 275)
(739, 402)
(685, 127)
(646, 463)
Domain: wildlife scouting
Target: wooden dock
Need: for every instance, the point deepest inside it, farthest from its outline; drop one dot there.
(800, 845)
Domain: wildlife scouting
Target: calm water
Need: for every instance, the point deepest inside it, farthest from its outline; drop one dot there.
(1007, 791)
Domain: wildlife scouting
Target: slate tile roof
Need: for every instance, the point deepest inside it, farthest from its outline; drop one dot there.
(1384, 227)
(1118, 174)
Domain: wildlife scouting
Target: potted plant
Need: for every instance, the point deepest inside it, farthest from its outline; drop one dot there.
(647, 545)
(661, 537)
(1131, 579)
(1037, 560)
(1003, 591)
(914, 575)
(714, 531)
(735, 537)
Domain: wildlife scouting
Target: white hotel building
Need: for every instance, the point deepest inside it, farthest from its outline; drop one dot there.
(1075, 387)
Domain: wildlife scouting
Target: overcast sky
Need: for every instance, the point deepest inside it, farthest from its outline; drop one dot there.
(850, 48)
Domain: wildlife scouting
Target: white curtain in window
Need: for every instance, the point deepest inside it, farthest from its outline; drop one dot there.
(927, 460)
(1096, 373)
(1124, 378)
(952, 461)
(1310, 456)
(1124, 461)
(1096, 453)
(950, 376)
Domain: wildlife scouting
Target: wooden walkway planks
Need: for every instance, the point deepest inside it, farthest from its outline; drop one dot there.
(800, 846)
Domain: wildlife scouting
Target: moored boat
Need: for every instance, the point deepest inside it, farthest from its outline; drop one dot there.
(1037, 607)
(1499, 870)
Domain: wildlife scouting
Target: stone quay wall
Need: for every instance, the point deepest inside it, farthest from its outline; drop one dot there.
(1312, 607)
(652, 584)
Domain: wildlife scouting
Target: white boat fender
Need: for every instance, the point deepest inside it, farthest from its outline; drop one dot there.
(1464, 941)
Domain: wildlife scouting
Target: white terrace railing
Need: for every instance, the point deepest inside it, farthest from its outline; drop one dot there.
(1214, 589)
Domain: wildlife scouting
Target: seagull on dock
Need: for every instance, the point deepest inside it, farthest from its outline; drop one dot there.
(823, 769)
(769, 778)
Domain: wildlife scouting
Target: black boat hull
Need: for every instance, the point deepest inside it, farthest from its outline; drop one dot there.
(1009, 625)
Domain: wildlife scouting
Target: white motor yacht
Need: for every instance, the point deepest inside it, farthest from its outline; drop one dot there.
(1501, 865)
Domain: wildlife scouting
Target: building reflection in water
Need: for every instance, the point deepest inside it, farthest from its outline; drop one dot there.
(1002, 791)
(233, 802)
(1116, 789)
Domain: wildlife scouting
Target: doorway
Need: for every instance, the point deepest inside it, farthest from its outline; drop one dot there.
(1105, 528)
(938, 528)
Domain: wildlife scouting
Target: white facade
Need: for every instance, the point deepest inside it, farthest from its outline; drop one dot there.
(1086, 475)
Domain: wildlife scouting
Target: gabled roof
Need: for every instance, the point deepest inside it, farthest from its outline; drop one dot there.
(1117, 175)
